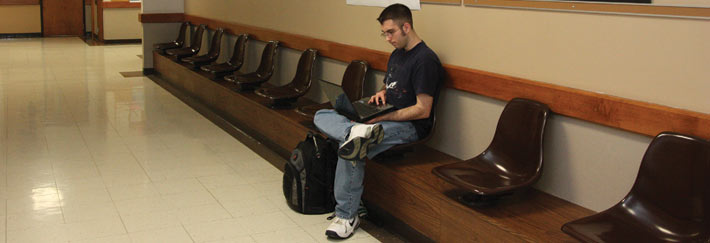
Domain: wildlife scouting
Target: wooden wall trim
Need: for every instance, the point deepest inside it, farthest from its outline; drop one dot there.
(456, 2)
(120, 5)
(638, 9)
(19, 2)
(161, 18)
(100, 18)
(622, 113)
(626, 114)
(338, 51)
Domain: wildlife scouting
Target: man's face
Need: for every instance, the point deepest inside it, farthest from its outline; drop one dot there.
(394, 34)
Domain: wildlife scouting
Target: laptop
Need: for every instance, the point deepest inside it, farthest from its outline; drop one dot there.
(359, 111)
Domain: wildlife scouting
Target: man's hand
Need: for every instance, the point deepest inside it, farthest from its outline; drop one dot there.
(378, 98)
(420, 110)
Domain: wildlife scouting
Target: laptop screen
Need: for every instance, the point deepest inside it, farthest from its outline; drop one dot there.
(331, 91)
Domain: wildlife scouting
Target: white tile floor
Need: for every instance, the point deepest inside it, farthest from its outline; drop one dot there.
(90, 156)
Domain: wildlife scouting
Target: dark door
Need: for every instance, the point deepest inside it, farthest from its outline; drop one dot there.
(63, 17)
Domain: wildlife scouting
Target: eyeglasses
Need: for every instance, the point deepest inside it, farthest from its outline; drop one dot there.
(389, 33)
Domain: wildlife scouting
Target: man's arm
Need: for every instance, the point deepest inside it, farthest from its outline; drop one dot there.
(420, 110)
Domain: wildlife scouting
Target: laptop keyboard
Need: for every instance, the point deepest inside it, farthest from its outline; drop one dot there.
(365, 109)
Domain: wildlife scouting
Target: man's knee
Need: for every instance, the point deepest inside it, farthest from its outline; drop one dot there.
(318, 118)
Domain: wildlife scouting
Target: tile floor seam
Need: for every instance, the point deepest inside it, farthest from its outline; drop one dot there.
(215, 198)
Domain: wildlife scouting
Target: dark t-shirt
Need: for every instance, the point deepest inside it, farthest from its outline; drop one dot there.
(410, 73)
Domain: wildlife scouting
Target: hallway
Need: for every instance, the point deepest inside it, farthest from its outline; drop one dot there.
(89, 155)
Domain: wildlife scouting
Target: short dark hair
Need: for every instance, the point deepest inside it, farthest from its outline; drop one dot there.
(398, 13)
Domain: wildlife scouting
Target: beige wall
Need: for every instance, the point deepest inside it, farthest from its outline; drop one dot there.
(20, 19)
(122, 24)
(659, 60)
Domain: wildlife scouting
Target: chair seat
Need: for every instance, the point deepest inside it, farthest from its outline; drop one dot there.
(167, 45)
(280, 93)
(249, 78)
(481, 176)
(617, 225)
(220, 68)
(199, 60)
(181, 52)
(310, 110)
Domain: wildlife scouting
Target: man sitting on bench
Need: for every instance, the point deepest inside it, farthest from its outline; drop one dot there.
(414, 74)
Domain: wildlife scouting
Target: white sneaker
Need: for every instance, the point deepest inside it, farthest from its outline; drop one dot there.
(342, 228)
(360, 138)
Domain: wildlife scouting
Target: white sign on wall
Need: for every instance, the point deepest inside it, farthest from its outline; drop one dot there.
(412, 4)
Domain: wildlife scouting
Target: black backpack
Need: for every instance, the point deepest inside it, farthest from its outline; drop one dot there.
(309, 175)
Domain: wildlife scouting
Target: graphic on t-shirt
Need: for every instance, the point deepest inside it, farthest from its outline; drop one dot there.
(391, 85)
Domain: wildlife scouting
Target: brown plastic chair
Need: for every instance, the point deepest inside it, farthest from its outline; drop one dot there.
(353, 85)
(512, 161)
(251, 81)
(219, 70)
(669, 202)
(177, 43)
(285, 96)
(194, 46)
(211, 56)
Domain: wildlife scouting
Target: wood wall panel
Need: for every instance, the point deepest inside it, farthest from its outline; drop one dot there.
(626, 114)
(63, 18)
(120, 5)
(19, 2)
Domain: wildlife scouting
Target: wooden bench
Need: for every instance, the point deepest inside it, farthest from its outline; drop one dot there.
(404, 188)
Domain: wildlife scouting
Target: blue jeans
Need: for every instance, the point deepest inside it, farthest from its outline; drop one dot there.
(349, 175)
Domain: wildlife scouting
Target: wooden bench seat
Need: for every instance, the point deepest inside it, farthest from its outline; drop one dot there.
(404, 187)
(407, 189)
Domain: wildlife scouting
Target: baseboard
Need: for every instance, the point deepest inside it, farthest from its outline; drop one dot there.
(148, 71)
(125, 41)
(20, 35)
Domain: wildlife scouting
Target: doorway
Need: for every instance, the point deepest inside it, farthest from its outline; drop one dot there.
(62, 18)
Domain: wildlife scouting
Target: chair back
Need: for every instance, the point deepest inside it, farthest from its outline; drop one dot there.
(266, 66)
(216, 46)
(517, 144)
(304, 71)
(181, 35)
(354, 79)
(197, 38)
(673, 182)
(240, 47)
